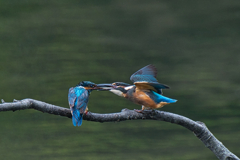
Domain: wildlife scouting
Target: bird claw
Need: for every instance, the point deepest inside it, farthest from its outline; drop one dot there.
(2, 101)
(14, 100)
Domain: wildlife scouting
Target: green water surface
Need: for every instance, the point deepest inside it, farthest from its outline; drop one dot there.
(46, 47)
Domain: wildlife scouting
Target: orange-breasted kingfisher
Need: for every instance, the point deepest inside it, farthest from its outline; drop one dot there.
(78, 98)
(146, 90)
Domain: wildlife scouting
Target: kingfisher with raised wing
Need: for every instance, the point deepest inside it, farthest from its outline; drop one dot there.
(78, 98)
(146, 91)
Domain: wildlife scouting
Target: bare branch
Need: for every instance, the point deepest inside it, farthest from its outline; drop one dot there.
(35, 104)
(198, 128)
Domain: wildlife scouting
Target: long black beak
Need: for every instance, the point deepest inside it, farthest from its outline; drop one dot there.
(104, 87)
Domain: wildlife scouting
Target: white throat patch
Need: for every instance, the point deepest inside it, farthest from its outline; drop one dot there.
(129, 87)
(117, 92)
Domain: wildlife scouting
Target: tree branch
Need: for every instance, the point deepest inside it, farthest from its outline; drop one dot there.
(198, 128)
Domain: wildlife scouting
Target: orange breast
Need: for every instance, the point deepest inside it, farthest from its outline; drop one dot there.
(141, 98)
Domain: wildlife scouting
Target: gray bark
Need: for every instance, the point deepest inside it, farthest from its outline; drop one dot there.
(198, 128)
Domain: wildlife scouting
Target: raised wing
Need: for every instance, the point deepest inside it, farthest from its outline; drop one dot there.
(157, 87)
(145, 74)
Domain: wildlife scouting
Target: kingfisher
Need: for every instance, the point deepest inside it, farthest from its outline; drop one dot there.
(78, 98)
(145, 91)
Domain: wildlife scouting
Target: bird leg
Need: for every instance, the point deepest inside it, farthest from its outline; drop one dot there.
(86, 111)
(141, 111)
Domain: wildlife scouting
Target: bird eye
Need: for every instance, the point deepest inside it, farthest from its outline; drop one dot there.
(115, 84)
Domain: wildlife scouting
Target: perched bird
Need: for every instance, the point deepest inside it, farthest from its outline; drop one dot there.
(78, 99)
(146, 90)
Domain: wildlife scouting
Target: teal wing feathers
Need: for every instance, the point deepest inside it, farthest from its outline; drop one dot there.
(145, 74)
(71, 97)
(159, 87)
(146, 78)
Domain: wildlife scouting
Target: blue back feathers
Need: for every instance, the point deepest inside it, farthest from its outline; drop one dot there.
(78, 99)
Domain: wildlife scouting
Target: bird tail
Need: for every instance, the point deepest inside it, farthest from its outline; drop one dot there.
(161, 98)
(76, 117)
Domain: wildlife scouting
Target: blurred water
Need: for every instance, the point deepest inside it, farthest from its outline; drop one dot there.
(49, 46)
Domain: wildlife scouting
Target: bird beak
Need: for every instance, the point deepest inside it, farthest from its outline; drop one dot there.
(104, 87)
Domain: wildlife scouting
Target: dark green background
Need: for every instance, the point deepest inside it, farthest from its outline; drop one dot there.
(48, 46)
